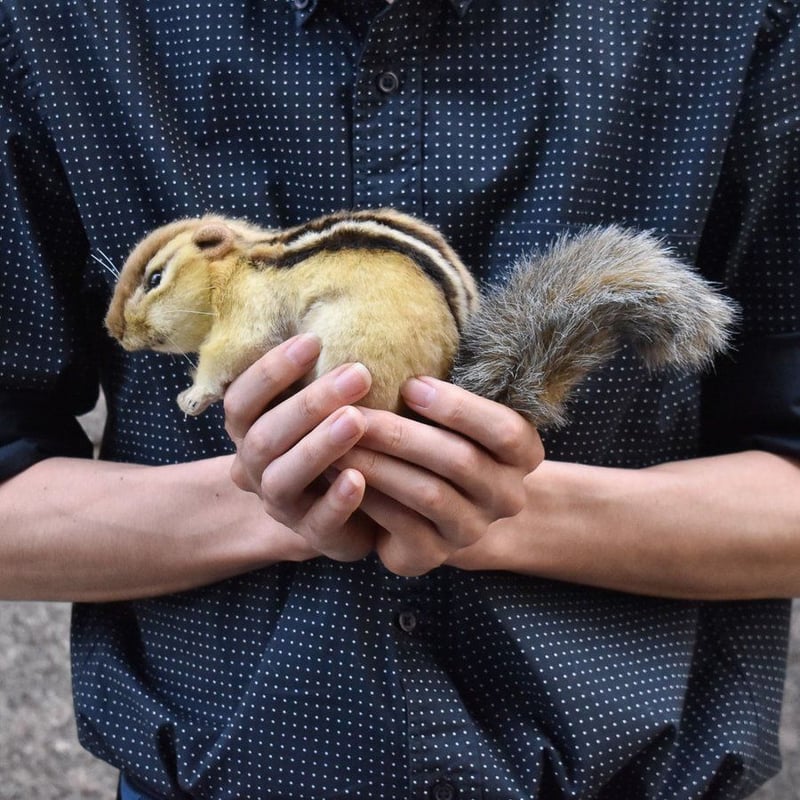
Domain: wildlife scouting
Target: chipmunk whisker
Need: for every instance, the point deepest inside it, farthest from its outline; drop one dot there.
(179, 352)
(107, 267)
(112, 266)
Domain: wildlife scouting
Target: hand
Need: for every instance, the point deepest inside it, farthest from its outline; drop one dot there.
(436, 490)
(283, 452)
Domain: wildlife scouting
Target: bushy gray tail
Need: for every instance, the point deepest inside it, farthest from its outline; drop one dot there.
(564, 313)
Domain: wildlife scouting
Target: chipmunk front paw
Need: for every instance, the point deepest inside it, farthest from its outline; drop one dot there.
(195, 400)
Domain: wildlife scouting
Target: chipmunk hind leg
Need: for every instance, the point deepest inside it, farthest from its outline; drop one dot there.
(402, 341)
(563, 313)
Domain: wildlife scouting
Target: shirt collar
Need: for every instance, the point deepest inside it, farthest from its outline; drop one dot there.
(304, 9)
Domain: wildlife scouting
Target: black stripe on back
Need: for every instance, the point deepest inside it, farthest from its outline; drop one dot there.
(416, 230)
(314, 226)
(409, 226)
(358, 240)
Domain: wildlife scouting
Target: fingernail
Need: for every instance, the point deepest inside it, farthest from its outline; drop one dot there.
(304, 349)
(347, 487)
(353, 381)
(418, 393)
(344, 428)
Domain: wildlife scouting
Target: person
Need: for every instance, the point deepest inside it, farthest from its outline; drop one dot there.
(465, 608)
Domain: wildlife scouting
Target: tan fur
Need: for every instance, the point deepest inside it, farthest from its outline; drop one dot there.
(220, 297)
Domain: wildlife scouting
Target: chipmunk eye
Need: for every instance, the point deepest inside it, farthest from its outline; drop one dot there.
(153, 280)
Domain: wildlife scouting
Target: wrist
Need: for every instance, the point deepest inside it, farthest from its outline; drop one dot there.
(571, 513)
(244, 536)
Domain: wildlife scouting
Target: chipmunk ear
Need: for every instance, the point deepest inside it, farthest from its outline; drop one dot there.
(215, 239)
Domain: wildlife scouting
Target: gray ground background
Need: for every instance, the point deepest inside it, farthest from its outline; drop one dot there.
(40, 758)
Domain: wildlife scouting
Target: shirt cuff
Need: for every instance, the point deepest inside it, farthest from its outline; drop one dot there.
(32, 428)
(753, 399)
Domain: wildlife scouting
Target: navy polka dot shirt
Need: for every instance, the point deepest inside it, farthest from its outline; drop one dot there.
(505, 123)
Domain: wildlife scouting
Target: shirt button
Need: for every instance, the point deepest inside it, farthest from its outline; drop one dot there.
(443, 791)
(388, 82)
(407, 621)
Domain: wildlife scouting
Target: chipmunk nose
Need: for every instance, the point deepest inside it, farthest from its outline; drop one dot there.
(115, 326)
(131, 343)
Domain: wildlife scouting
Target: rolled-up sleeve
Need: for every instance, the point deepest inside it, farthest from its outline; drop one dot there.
(753, 402)
(31, 431)
(47, 375)
(751, 245)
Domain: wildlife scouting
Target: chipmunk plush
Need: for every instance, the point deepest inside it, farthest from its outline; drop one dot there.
(386, 289)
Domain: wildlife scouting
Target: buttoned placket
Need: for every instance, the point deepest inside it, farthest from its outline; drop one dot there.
(440, 736)
(387, 171)
(387, 107)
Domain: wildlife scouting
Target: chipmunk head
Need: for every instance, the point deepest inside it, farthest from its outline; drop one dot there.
(162, 300)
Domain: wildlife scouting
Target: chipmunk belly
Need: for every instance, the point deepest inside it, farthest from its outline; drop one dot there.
(379, 308)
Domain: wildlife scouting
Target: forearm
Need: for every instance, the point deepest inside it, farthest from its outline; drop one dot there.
(717, 528)
(92, 531)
